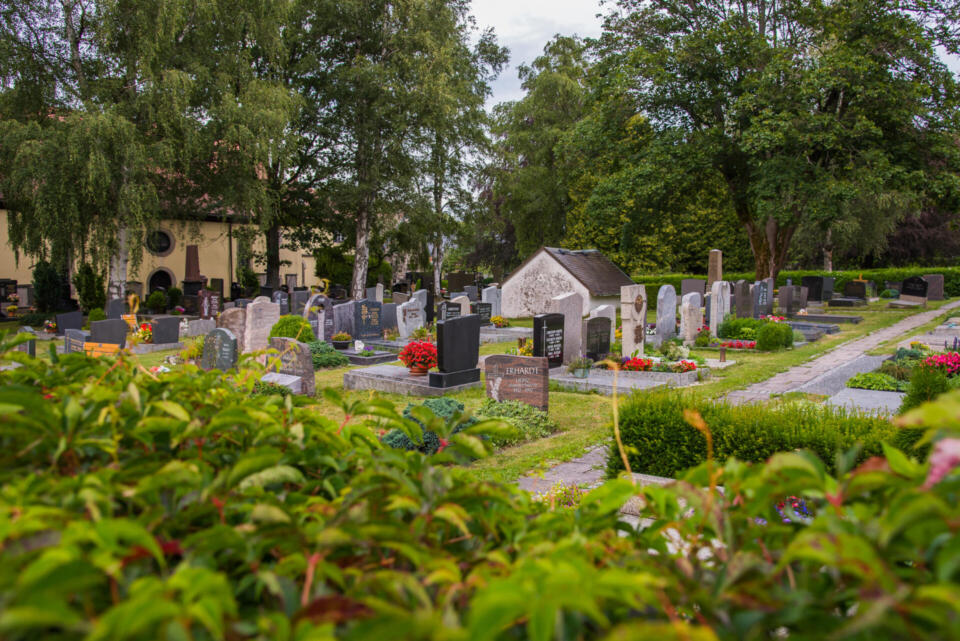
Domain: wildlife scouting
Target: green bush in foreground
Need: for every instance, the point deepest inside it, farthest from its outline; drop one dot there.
(926, 383)
(530, 422)
(325, 356)
(138, 507)
(662, 443)
(774, 336)
(292, 326)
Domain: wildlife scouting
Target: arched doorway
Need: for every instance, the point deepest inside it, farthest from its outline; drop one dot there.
(160, 278)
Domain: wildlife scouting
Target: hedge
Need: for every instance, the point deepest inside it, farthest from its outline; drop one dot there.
(951, 278)
(660, 442)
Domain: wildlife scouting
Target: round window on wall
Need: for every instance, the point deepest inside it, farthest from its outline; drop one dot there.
(159, 242)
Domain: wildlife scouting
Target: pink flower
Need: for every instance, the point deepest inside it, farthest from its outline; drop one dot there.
(945, 457)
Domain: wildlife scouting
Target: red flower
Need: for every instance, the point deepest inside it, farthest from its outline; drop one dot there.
(419, 354)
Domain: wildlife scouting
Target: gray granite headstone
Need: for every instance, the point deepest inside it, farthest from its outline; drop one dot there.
(493, 296)
(116, 308)
(719, 305)
(744, 301)
(693, 285)
(294, 359)
(785, 299)
(73, 340)
(690, 317)
(343, 317)
(666, 314)
(571, 306)
(410, 316)
(389, 312)
(199, 327)
(633, 316)
(166, 330)
(30, 347)
(298, 301)
(291, 382)
(69, 320)
(371, 293)
(220, 348)
(472, 293)
(935, 289)
(319, 312)
(113, 331)
(262, 315)
(400, 298)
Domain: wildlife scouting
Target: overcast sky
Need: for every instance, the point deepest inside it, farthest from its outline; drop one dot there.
(525, 26)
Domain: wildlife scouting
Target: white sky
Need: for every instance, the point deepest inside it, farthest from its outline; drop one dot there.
(525, 26)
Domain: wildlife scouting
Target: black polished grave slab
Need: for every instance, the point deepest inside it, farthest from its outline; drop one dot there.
(597, 337)
(447, 310)
(915, 286)
(458, 350)
(844, 301)
(826, 318)
(112, 331)
(166, 330)
(814, 285)
(855, 289)
(548, 338)
(116, 308)
(367, 319)
(483, 310)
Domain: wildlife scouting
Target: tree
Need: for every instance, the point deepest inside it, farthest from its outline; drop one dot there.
(528, 184)
(809, 113)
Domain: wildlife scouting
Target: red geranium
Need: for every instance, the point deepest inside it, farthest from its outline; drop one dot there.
(637, 365)
(419, 354)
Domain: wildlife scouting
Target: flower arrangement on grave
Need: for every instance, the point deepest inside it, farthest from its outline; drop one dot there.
(636, 364)
(13, 298)
(144, 333)
(419, 355)
(12, 310)
(579, 366)
(703, 337)
(49, 327)
(367, 353)
(739, 344)
(499, 322)
(618, 333)
(341, 336)
(178, 310)
(774, 319)
(948, 363)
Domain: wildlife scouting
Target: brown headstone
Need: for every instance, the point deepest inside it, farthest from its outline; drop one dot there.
(518, 378)
(192, 270)
(715, 267)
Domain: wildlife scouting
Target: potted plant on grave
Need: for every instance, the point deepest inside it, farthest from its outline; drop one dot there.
(421, 334)
(580, 367)
(341, 340)
(419, 357)
(144, 334)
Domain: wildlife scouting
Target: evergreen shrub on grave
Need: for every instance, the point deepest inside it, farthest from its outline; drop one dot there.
(529, 422)
(157, 302)
(96, 314)
(91, 288)
(325, 356)
(740, 328)
(661, 441)
(292, 326)
(426, 415)
(176, 506)
(774, 336)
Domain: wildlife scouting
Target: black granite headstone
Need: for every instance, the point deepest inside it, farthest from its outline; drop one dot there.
(166, 329)
(458, 350)
(116, 308)
(389, 311)
(70, 320)
(914, 286)
(219, 350)
(112, 331)
(814, 285)
(483, 310)
(472, 293)
(447, 310)
(855, 289)
(429, 309)
(298, 300)
(367, 320)
(282, 299)
(548, 337)
(828, 283)
(598, 337)
(73, 340)
(266, 291)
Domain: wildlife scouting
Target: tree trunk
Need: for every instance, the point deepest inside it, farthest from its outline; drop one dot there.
(769, 242)
(437, 265)
(828, 252)
(273, 256)
(358, 285)
(117, 287)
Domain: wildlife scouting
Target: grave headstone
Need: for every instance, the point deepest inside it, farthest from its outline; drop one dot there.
(771, 289)
(548, 338)
(112, 331)
(30, 347)
(430, 308)
(571, 306)
(73, 340)
(69, 320)
(447, 310)
(192, 280)
(760, 298)
(464, 302)
(785, 299)
(483, 310)
(116, 308)
(828, 285)
(200, 327)
(166, 329)
(370, 293)
(367, 320)
(894, 285)
(693, 286)
(606, 311)
(282, 299)
(343, 318)
(706, 307)
(815, 287)
(855, 289)
(421, 296)
(291, 382)
(666, 314)
(318, 311)
(298, 301)
(410, 316)
(400, 298)
(209, 303)
(265, 292)
(234, 320)
(596, 333)
(633, 318)
(714, 268)
(472, 293)
(719, 305)
(389, 311)
(290, 280)
(914, 290)
(242, 302)
(690, 317)
(492, 295)
(216, 286)
(518, 378)
(294, 359)
(25, 293)
(744, 301)
(935, 287)
(458, 349)
(804, 293)
(220, 349)
(261, 317)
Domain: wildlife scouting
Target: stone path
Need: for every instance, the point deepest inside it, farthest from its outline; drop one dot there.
(797, 377)
(588, 470)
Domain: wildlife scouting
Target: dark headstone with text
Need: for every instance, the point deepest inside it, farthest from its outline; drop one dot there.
(209, 303)
(219, 350)
(548, 338)
(597, 337)
(367, 319)
(30, 347)
(483, 310)
(294, 359)
(518, 378)
(915, 287)
(458, 349)
(447, 310)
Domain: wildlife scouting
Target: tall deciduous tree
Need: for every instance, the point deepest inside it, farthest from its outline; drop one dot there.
(808, 112)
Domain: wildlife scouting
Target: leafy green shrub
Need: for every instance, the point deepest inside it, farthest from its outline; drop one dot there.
(293, 326)
(899, 370)
(325, 356)
(34, 319)
(664, 444)
(774, 336)
(444, 408)
(877, 381)
(96, 314)
(50, 287)
(735, 327)
(889, 293)
(193, 350)
(174, 296)
(673, 351)
(530, 422)
(157, 302)
(703, 338)
(926, 383)
(905, 354)
(91, 288)
(261, 388)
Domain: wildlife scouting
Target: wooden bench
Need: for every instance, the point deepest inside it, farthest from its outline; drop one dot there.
(101, 349)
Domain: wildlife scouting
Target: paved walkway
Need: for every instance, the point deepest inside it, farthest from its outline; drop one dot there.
(588, 470)
(796, 377)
